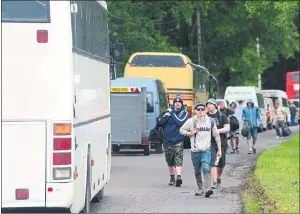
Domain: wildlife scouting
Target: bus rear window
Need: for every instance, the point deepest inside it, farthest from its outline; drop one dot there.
(25, 11)
(296, 77)
(157, 61)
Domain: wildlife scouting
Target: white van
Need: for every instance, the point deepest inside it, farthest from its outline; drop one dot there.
(281, 96)
(242, 93)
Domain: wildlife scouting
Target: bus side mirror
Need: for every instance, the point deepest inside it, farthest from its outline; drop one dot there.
(117, 50)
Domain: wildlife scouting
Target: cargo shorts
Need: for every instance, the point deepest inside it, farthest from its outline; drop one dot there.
(214, 150)
(174, 154)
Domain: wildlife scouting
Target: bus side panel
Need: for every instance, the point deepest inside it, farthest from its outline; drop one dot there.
(23, 150)
(38, 77)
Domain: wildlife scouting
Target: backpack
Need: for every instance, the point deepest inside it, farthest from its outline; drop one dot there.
(156, 134)
(234, 123)
(246, 128)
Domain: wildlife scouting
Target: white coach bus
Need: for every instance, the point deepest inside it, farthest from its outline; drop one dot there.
(56, 123)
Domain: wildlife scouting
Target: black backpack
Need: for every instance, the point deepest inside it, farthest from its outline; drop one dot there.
(234, 123)
(156, 134)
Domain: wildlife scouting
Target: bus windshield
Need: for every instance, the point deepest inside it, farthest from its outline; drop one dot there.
(25, 11)
(157, 61)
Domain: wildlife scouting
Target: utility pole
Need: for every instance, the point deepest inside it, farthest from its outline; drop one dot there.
(199, 36)
(258, 53)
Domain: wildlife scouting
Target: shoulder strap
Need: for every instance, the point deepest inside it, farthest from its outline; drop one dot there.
(181, 113)
(194, 123)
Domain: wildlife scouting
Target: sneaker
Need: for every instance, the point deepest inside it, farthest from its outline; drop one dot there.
(178, 181)
(208, 193)
(218, 182)
(237, 150)
(233, 151)
(250, 151)
(277, 137)
(214, 185)
(254, 150)
(199, 192)
(172, 181)
(282, 137)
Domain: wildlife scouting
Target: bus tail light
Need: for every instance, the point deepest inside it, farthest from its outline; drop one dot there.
(42, 36)
(63, 158)
(62, 173)
(22, 194)
(62, 129)
(62, 143)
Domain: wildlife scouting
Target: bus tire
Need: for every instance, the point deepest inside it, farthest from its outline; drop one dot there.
(99, 196)
(87, 204)
(147, 150)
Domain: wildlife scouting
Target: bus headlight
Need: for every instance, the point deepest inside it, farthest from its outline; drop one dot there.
(62, 173)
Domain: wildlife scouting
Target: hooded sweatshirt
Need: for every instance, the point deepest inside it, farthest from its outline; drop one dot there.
(171, 125)
(203, 136)
(252, 115)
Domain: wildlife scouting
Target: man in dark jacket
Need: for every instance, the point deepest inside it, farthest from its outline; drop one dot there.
(173, 140)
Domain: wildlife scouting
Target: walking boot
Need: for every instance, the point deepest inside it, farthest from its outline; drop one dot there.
(178, 181)
(207, 185)
(200, 191)
(172, 180)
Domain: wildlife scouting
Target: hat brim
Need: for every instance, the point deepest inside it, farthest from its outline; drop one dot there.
(210, 103)
(200, 104)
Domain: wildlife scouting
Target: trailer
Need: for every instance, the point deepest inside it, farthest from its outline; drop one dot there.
(128, 119)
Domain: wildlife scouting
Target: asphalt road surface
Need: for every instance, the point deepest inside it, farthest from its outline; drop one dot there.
(139, 184)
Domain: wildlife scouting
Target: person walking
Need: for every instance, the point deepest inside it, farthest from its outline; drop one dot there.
(251, 114)
(234, 136)
(227, 111)
(280, 119)
(200, 128)
(222, 124)
(173, 140)
(293, 110)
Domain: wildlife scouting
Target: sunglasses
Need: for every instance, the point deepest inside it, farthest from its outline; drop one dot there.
(200, 109)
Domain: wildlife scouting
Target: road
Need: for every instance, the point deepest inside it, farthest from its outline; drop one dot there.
(139, 184)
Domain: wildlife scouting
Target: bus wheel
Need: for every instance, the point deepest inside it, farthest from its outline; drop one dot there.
(99, 196)
(87, 205)
(158, 148)
(147, 150)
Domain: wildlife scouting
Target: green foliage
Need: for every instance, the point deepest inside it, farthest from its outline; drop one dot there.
(228, 33)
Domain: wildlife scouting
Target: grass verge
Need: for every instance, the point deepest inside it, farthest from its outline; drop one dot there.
(274, 185)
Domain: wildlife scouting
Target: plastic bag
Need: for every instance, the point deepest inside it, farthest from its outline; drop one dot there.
(246, 128)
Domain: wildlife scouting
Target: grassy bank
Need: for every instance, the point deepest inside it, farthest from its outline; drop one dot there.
(274, 186)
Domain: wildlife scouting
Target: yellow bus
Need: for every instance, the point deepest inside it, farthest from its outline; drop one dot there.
(173, 69)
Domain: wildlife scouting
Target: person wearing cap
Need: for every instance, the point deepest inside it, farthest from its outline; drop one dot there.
(200, 128)
(223, 127)
(173, 140)
(251, 114)
(223, 109)
(280, 119)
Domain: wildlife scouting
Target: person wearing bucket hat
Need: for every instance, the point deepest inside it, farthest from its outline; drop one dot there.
(173, 140)
(251, 114)
(217, 167)
(201, 129)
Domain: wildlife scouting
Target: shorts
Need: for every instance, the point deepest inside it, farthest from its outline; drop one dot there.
(233, 133)
(252, 134)
(222, 161)
(174, 154)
